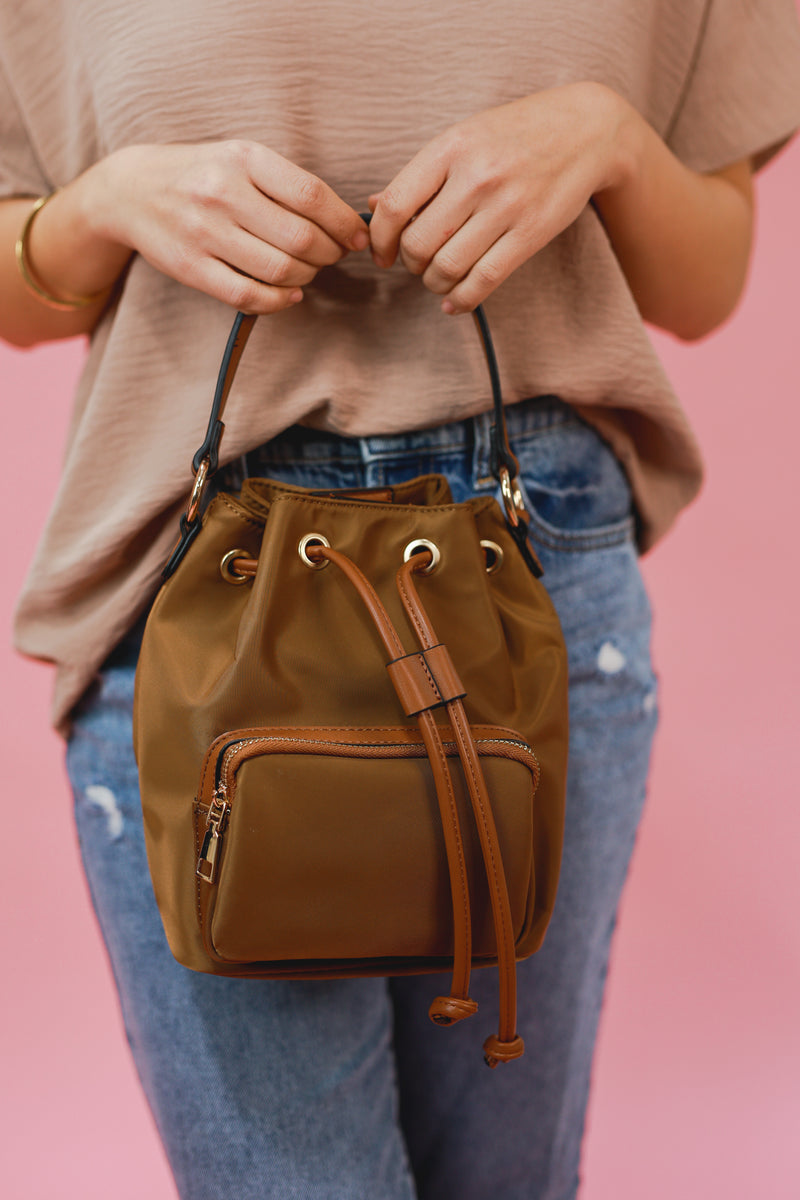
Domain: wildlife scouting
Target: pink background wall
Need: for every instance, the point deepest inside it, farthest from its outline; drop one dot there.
(697, 1087)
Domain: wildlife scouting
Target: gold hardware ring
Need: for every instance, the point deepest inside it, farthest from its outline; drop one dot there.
(512, 497)
(197, 492)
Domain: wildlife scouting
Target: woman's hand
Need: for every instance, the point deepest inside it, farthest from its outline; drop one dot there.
(233, 219)
(486, 194)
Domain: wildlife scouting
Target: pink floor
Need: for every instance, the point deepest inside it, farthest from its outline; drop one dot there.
(697, 1085)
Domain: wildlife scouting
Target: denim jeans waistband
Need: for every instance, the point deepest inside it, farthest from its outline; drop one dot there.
(301, 443)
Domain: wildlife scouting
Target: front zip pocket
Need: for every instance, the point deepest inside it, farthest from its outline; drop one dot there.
(326, 844)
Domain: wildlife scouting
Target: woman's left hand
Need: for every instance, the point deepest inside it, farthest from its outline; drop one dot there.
(483, 196)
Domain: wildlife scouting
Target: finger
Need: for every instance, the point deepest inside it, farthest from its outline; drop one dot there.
(434, 227)
(220, 280)
(410, 190)
(261, 260)
(486, 274)
(306, 194)
(455, 257)
(293, 235)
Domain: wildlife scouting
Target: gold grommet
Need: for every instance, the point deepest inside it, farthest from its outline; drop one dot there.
(423, 544)
(495, 562)
(313, 539)
(226, 567)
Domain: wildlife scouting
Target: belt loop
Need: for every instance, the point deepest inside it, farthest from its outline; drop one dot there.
(481, 471)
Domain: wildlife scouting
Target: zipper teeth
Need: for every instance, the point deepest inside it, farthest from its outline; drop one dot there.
(229, 752)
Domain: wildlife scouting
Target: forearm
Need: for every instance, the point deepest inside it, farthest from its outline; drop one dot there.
(69, 256)
(682, 239)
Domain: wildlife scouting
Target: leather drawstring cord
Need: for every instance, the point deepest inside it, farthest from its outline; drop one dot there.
(506, 1044)
(424, 681)
(444, 1010)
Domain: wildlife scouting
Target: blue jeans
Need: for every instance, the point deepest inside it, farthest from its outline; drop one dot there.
(344, 1090)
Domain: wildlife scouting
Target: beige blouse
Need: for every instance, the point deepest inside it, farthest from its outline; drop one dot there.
(350, 91)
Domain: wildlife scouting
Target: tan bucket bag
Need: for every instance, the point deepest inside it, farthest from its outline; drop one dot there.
(330, 788)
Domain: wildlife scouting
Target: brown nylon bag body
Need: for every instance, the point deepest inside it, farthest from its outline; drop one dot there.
(299, 819)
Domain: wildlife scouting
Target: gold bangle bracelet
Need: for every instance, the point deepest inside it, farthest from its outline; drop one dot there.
(62, 303)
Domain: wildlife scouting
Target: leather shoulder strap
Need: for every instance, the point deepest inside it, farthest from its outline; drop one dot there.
(501, 452)
(502, 462)
(237, 340)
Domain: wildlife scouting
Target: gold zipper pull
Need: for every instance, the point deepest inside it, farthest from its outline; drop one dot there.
(209, 851)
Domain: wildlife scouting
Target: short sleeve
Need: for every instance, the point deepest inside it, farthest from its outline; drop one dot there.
(742, 94)
(20, 171)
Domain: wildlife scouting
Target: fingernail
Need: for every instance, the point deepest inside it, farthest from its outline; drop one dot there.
(360, 240)
(448, 307)
(296, 296)
(379, 262)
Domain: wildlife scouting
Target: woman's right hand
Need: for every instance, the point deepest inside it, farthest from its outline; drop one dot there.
(232, 219)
